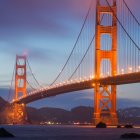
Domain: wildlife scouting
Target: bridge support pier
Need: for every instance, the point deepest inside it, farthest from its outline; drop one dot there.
(105, 105)
(19, 115)
(105, 95)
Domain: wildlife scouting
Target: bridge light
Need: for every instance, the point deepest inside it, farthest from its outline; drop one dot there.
(122, 71)
(93, 84)
(130, 69)
(108, 73)
(93, 76)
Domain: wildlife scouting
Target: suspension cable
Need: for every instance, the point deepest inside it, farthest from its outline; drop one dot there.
(33, 74)
(26, 78)
(74, 44)
(10, 88)
(131, 12)
(123, 27)
(85, 53)
(30, 85)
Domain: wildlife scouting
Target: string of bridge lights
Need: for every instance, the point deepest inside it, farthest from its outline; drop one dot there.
(80, 80)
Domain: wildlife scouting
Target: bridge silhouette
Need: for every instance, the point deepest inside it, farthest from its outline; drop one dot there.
(99, 60)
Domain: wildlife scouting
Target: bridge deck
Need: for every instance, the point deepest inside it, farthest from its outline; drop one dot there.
(116, 80)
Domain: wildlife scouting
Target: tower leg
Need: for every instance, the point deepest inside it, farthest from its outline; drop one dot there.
(19, 109)
(19, 114)
(105, 95)
(105, 105)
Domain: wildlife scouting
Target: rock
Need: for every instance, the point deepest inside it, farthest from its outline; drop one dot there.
(5, 133)
(101, 125)
(128, 126)
(130, 136)
(119, 126)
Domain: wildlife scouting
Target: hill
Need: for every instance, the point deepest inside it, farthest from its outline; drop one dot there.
(80, 114)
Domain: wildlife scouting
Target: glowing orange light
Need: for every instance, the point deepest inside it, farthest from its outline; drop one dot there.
(93, 85)
(130, 69)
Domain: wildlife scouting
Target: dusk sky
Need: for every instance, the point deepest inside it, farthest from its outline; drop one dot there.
(46, 31)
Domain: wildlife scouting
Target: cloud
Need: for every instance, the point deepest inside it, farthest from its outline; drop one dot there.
(34, 53)
(26, 24)
(34, 16)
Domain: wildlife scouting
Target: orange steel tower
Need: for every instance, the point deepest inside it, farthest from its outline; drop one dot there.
(105, 95)
(19, 110)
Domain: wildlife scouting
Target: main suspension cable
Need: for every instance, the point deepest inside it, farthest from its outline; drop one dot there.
(33, 74)
(131, 12)
(85, 53)
(123, 27)
(10, 88)
(74, 44)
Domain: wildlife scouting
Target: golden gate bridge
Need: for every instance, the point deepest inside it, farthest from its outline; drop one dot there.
(100, 60)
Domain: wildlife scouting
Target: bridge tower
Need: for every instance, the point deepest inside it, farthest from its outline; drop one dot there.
(105, 95)
(19, 110)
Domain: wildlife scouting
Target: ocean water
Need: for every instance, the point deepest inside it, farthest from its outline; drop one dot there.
(34, 132)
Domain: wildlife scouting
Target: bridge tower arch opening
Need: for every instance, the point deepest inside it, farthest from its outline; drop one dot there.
(19, 109)
(105, 95)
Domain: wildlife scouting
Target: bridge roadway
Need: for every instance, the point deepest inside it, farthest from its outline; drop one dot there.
(116, 80)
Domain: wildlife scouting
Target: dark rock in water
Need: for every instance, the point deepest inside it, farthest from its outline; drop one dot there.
(101, 125)
(5, 133)
(130, 136)
(119, 126)
(128, 126)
